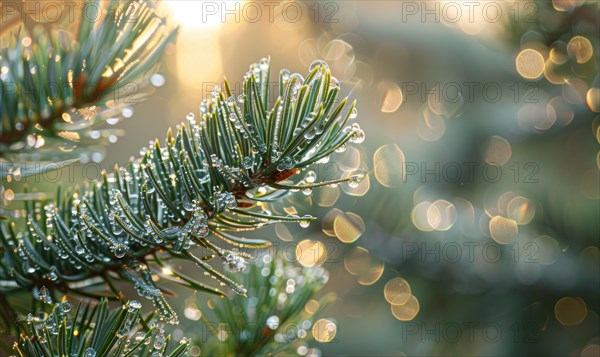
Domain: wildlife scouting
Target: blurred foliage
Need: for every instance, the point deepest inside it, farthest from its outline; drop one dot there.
(276, 318)
(57, 85)
(94, 331)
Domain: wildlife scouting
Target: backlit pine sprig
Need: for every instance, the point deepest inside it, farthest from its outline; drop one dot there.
(276, 318)
(187, 200)
(54, 87)
(95, 331)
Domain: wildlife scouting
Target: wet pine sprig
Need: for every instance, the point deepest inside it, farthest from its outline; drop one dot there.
(275, 319)
(54, 85)
(189, 199)
(94, 331)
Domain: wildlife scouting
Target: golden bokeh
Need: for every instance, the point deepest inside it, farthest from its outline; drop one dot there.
(390, 165)
(291, 210)
(397, 291)
(560, 110)
(324, 330)
(191, 312)
(497, 151)
(520, 210)
(553, 74)
(356, 260)
(503, 230)
(312, 306)
(348, 227)
(328, 220)
(310, 253)
(441, 215)
(349, 160)
(372, 275)
(360, 263)
(503, 202)
(596, 128)
(591, 350)
(558, 53)
(565, 5)
(406, 311)
(283, 232)
(530, 63)
(419, 216)
(9, 195)
(570, 311)
(592, 99)
(390, 96)
(580, 48)
(326, 196)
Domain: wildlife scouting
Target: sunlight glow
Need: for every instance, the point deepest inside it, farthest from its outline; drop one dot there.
(204, 14)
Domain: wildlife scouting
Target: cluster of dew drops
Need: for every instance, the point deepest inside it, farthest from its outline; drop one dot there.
(285, 163)
(60, 313)
(235, 115)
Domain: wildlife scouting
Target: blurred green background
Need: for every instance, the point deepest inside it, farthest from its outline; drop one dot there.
(477, 229)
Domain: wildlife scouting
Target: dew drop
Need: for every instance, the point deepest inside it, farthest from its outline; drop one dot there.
(157, 80)
(354, 180)
(305, 222)
(342, 148)
(159, 340)
(272, 322)
(66, 306)
(358, 136)
(333, 83)
(127, 112)
(134, 305)
(247, 162)
(263, 64)
(318, 63)
(119, 250)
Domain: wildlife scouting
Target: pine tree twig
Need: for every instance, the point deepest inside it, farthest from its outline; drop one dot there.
(94, 332)
(54, 86)
(277, 317)
(185, 200)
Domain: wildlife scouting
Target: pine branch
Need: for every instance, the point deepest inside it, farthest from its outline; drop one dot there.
(205, 182)
(54, 86)
(93, 332)
(275, 319)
